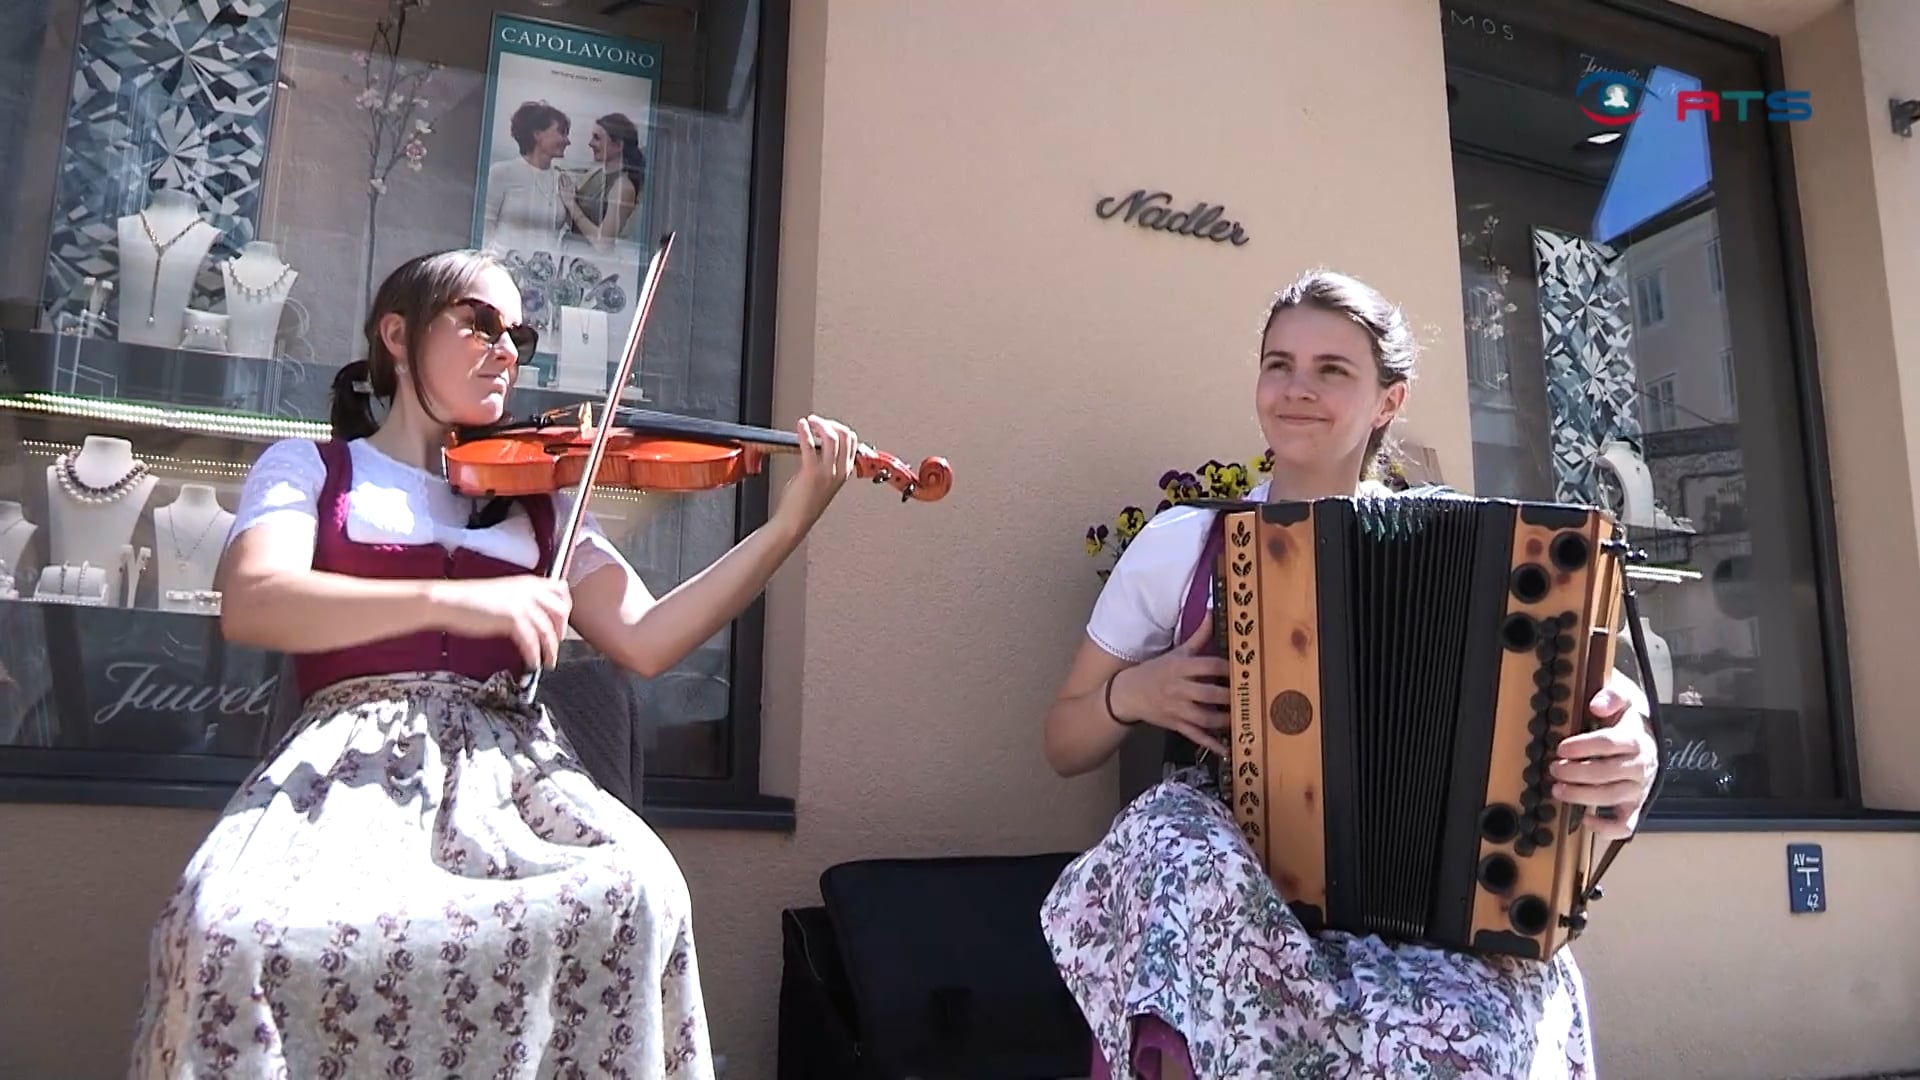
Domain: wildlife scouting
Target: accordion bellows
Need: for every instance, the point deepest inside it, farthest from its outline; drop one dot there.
(1401, 672)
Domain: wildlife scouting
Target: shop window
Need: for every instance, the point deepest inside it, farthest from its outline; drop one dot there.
(197, 200)
(1623, 337)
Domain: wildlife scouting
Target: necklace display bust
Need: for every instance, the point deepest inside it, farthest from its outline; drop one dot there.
(161, 250)
(94, 498)
(258, 281)
(16, 532)
(190, 532)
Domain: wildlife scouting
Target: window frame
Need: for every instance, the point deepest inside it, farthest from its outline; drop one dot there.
(1650, 312)
(1847, 809)
(735, 800)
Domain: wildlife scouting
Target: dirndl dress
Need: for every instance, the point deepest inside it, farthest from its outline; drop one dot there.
(422, 881)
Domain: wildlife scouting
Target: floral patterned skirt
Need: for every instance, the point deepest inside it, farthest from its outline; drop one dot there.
(422, 881)
(1170, 916)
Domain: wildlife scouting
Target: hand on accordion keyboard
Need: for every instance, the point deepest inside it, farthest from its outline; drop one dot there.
(1183, 691)
(1610, 767)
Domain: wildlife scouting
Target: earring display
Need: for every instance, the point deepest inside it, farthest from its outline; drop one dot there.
(135, 568)
(192, 601)
(584, 351)
(161, 250)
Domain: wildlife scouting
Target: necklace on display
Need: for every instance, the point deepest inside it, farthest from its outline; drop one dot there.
(82, 492)
(183, 560)
(159, 256)
(251, 292)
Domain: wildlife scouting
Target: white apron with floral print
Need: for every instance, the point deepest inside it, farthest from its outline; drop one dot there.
(423, 882)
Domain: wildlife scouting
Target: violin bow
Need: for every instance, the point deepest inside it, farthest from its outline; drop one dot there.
(577, 513)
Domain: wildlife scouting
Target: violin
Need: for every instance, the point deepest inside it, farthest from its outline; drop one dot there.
(648, 451)
(637, 449)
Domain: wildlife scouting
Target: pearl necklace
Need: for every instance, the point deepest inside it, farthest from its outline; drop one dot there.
(251, 292)
(82, 492)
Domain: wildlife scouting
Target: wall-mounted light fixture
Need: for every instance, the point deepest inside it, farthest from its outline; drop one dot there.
(1905, 113)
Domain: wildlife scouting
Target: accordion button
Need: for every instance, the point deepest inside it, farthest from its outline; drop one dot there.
(1543, 836)
(1556, 716)
(1544, 812)
(1563, 643)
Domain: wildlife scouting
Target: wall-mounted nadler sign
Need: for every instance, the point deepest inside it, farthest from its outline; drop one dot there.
(1154, 210)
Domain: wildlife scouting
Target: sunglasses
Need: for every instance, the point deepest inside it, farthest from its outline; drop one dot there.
(490, 326)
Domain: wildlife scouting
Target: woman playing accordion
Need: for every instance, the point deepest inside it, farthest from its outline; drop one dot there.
(1170, 934)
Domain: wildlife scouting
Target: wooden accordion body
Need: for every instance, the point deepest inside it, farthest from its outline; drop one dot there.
(1401, 671)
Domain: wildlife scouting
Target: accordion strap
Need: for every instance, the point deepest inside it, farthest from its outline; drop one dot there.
(1631, 602)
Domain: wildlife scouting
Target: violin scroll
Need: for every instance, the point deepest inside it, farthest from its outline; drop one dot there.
(928, 483)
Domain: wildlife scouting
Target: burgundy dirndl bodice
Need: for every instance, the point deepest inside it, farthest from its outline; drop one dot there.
(475, 658)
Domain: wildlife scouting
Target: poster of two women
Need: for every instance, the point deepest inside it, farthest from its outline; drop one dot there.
(564, 186)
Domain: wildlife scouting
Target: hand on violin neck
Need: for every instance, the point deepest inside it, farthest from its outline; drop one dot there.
(827, 452)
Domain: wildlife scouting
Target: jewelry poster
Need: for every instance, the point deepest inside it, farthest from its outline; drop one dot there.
(566, 172)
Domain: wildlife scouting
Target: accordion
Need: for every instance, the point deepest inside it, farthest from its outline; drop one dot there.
(1401, 670)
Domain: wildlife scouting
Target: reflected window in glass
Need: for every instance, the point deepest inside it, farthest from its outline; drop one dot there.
(205, 199)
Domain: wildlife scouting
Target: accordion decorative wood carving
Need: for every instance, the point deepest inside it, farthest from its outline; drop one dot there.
(1402, 670)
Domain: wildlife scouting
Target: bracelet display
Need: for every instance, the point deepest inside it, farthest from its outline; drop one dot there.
(65, 584)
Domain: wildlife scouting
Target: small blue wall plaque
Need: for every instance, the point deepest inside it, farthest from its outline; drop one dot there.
(1806, 879)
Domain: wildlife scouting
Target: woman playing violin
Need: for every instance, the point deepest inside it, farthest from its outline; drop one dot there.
(421, 879)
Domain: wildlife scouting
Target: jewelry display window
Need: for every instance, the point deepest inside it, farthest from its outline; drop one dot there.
(200, 201)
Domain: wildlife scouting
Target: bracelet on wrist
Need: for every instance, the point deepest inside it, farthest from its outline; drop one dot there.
(1115, 717)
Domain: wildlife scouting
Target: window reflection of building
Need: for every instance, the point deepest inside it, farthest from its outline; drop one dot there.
(1683, 356)
(1601, 366)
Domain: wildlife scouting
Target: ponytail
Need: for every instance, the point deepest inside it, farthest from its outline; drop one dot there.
(351, 414)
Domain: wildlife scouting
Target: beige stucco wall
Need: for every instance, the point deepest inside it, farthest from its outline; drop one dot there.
(946, 287)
